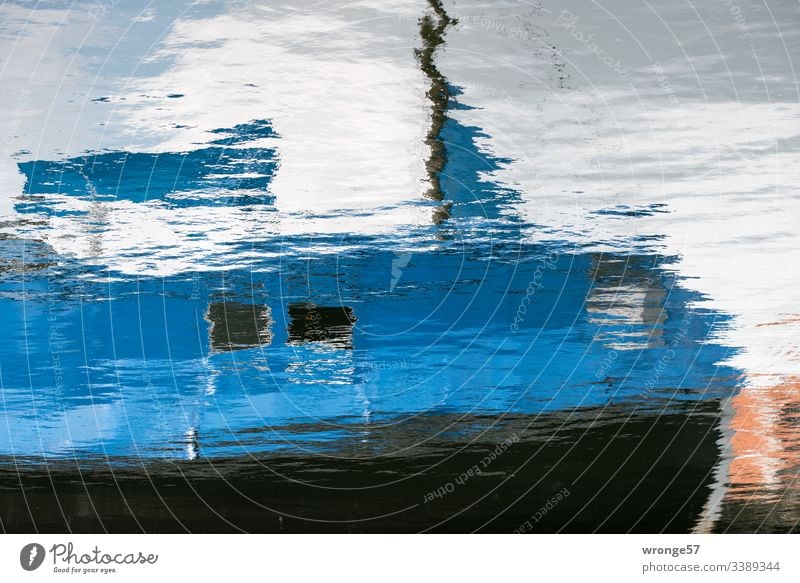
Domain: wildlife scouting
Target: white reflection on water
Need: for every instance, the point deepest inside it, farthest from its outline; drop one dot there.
(338, 82)
(699, 140)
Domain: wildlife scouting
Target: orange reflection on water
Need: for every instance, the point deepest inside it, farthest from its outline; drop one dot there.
(764, 445)
(763, 491)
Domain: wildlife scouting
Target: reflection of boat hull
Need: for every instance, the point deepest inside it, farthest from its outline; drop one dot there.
(757, 486)
(645, 474)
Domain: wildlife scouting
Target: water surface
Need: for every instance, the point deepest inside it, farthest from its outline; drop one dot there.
(302, 266)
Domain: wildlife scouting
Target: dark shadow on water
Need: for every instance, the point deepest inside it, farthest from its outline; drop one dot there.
(615, 473)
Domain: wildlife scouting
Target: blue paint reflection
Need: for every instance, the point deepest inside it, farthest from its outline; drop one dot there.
(309, 347)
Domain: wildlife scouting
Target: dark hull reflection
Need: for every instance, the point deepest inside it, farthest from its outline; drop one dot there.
(615, 473)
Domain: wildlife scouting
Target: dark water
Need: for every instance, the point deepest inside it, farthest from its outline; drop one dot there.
(208, 335)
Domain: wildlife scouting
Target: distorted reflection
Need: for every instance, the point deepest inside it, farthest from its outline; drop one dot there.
(235, 325)
(325, 324)
(18, 255)
(626, 301)
(290, 234)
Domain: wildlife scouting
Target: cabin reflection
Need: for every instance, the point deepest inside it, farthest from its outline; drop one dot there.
(235, 326)
(627, 301)
(325, 324)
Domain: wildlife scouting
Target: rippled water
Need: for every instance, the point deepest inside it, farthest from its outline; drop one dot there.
(308, 263)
